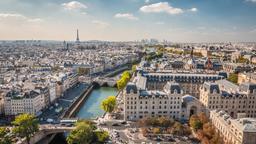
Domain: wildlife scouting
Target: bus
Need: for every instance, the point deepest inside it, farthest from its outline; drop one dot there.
(68, 122)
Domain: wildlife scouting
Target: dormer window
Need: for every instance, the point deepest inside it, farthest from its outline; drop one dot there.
(175, 91)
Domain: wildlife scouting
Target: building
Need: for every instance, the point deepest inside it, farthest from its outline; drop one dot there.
(237, 67)
(162, 94)
(141, 103)
(18, 102)
(229, 97)
(189, 82)
(246, 77)
(235, 131)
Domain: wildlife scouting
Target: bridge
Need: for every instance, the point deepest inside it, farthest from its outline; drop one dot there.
(104, 81)
(46, 133)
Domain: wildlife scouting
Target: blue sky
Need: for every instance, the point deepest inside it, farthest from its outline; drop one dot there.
(123, 20)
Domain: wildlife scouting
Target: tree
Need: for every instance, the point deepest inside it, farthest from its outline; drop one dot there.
(195, 122)
(233, 77)
(4, 137)
(121, 83)
(156, 130)
(109, 104)
(203, 118)
(26, 125)
(242, 60)
(134, 68)
(144, 131)
(205, 140)
(200, 134)
(208, 130)
(82, 134)
(216, 139)
(165, 122)
(101, 136)
(179, 129)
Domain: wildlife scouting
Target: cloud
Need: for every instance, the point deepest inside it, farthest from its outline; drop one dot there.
(128, 16)
(160, 23)
(193, 10)
(147, 1)
(101, 24)
(250, 0)
(15, 17)
(74, 5)
(253, 31)
(161, 7)
(201, 28)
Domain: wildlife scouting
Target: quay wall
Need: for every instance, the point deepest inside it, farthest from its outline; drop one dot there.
(75, 107)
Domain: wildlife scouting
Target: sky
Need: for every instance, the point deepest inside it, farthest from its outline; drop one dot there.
(126, 20)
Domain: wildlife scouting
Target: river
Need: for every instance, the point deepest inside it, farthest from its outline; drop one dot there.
(91, 108)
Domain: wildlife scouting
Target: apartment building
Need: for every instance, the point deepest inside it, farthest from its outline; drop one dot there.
(235, 131)
(229, 97)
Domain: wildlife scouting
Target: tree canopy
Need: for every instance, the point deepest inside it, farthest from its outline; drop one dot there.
(109, 104)
(233, 78)
(4, 137)
(82, 134)
(25, 126)
(86, 133)
(204, 129)
(121, 83)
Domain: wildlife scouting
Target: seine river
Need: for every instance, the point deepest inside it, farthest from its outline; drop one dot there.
(91, 108)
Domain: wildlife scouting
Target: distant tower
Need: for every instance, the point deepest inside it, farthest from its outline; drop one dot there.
(77, 36)
(192, 53)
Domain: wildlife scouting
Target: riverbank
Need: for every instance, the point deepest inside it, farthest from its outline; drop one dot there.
(91, 108)
(75, 107)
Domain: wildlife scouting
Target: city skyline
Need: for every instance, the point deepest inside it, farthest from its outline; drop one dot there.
(127, 20)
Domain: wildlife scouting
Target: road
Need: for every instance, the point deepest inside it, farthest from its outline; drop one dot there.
(63, 103)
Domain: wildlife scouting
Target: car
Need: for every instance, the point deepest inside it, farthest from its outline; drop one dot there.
(115, 124)
(171, 140)
(127, 125)
(123, 122)
(158, 139)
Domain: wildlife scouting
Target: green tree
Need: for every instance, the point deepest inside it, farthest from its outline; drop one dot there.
(26, 125)
(233, 77)
(109, 104)
(82, 134)
(101, 136)
(195, 122)
(134, 68)
(121, 83)
(242, 60)
(179, 129)
(165, 122)
(4, 137)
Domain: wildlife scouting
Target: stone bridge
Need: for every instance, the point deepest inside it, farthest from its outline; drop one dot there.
(47, 132)
(104, 81)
